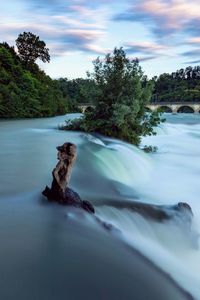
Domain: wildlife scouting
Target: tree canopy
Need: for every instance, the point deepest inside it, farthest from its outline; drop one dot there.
(79, 90)
(30, 48)
(180, 86)
(123, 93)
(27, 92)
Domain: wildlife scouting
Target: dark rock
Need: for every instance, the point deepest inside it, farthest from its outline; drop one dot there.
(159, 213)
(88, 206)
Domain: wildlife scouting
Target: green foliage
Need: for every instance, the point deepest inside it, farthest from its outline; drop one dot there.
(79, 90)
(25, 92)
(180, 86)
(31, 48)
(123, 93)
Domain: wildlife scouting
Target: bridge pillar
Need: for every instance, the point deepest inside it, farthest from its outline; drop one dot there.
(174, 108)
(196, 109)
(153, 107)
(83, 109)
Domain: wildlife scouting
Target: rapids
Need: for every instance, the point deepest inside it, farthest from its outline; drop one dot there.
(106, 170)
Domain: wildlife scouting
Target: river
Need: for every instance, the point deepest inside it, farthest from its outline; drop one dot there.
(52, 252)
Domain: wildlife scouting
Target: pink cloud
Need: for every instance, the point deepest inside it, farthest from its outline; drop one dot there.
(146, 47)
(174, 14)
(164, 17)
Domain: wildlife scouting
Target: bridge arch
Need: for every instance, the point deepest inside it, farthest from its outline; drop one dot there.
(165, 109)
(169, 107)
(84, 107)
(89, 109)
(185, 109)
(148, 109)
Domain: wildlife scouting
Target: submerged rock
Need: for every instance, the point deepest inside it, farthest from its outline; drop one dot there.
(160, 213)
(59, 191)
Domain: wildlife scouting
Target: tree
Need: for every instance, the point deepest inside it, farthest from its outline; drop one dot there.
(180, 86)
(79, 90)
(123, 93)
(24, 93)
(30, 48)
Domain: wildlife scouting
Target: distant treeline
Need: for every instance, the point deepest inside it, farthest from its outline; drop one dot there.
(79, 90)
(180, 86)
(26, 91)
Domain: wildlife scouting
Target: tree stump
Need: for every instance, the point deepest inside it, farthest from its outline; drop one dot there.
(59, 191)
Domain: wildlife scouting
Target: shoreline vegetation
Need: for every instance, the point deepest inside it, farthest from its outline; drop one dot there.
(25, 90)
(180, 86)
(117, 88)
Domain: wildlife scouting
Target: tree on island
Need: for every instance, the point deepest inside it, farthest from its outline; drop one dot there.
(30, 48)
(123, 93)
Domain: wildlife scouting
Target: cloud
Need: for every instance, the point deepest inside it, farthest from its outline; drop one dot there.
(146, 51)
(145, 48)
(74, 25)
(194, 41)
(58, 6)
(84, 26)
(164, 17)
(147, 58)
(95, 49)
(67, 39)
(192, 62)
(69, 24)
(53, 6)
(192, 53)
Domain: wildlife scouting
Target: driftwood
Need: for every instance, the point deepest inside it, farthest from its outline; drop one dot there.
(59, 191)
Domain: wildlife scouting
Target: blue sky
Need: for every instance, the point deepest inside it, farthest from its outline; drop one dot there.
(163, 34)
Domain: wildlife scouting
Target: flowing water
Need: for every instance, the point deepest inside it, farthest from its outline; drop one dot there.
(52, 252)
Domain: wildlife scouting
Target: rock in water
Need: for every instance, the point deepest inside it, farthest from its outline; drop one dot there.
(59, 191)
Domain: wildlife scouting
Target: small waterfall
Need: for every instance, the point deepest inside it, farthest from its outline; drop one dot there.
(123, 162)
(174, 176)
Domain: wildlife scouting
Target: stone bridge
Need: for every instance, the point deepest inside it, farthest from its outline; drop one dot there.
(170, 107)
(175, 107)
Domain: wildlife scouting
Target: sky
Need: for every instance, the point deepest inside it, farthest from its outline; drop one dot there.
(163, 34)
